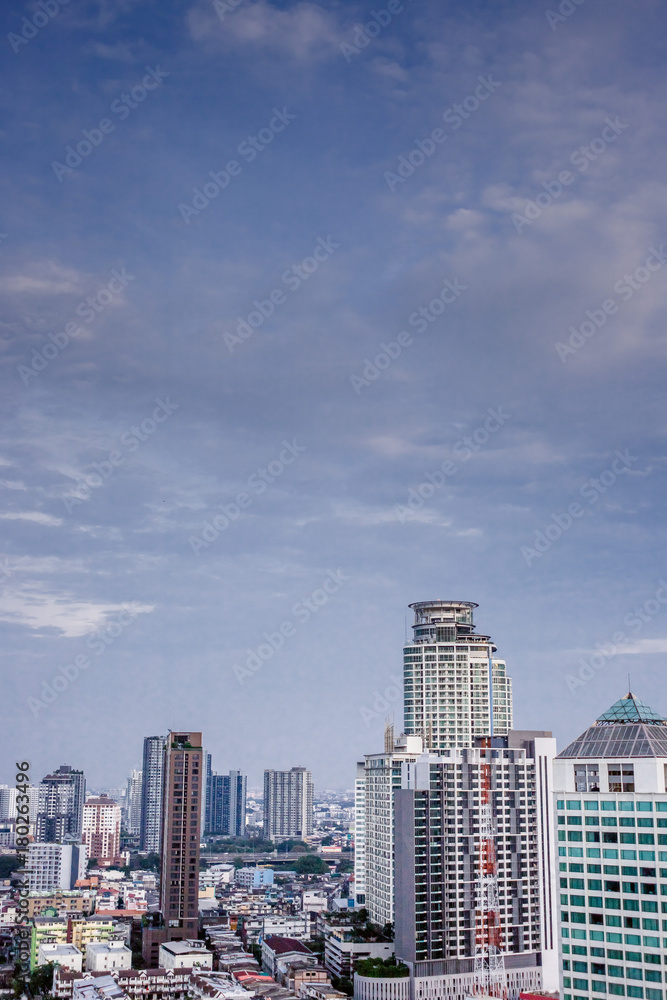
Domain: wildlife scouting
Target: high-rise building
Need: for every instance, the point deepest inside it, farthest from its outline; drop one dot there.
(133, 802)
(454, 688)
(375, 867)
(150, 838)
(7, 802)
(610, 786)
(225, 802)
(360, 834)
(55, 866)
(446, 882)
(181, 824)
(288, 804)
(101, 830)
(60, 809)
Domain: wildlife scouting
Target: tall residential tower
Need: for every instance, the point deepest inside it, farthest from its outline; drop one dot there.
(288, 804)
(181, 814)
(225, 802)
(60, 809)
(454, 688)
(151, 794)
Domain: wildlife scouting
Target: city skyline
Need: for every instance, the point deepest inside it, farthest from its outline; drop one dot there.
(251, 416)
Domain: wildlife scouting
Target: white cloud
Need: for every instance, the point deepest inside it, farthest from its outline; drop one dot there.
(31, 515)
(643, 646)
(33, 607)
(303, 32)
(44, 278)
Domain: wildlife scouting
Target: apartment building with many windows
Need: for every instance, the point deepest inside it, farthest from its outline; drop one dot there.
(611, 805)
(454, 688)
(439, 859)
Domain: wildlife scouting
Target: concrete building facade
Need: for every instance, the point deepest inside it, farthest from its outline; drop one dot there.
(150, 838)
(101, 830)
(611, 806)
(288, 804)
(60, 806)
(225, 802)
(454, 688)
(55, 866)
(438, 867)
(181, 815)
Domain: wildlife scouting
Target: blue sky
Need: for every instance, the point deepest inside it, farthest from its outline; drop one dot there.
(206, 437)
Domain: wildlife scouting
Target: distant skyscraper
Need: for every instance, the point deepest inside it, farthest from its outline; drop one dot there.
(288, 804)
(610, 786)
(133, 802)
(181, 812)
(454, 689)
(7, 802)
(60, 809)
(225, 802)
(101, 829)
(151, 794)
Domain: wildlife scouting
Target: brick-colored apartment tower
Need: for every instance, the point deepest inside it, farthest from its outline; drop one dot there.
(181, 812)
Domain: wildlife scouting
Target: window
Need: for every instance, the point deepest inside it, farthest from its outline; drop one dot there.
(621, 777)
(587, 778)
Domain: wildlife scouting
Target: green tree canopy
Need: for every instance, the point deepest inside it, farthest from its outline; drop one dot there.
(381, 968)
(8, 863)
(310, 864)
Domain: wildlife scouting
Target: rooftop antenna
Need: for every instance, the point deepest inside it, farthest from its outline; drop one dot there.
(629, 685)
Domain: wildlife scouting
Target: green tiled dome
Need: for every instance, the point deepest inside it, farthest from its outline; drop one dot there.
(630, 709)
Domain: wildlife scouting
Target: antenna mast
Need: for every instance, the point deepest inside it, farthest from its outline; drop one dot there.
(489, 968)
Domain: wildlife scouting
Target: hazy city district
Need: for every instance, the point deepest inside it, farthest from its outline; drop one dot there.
(467, 859)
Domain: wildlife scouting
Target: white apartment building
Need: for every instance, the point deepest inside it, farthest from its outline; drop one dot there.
(383, 777)
(55, 866)
(133, 801)
(439, 859)
(454, 689)
(67, 956)
(611, 802)
(105, 955)
(188, 954)
(360, 834)
(288, 804)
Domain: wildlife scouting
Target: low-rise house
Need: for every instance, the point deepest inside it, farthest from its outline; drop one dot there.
(137, 984)
(216, 985)
(188, 954)
(320, 991)
(100, 988)
(296, 974)
(277, 950)
(64, 955)
(342, 952)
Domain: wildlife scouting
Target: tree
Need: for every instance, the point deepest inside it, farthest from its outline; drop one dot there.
(310, 864)
(327, 841)
(381, 968)
(238, 863)
(343, 984)
(8, 864)
(344, 867)
(41, 978)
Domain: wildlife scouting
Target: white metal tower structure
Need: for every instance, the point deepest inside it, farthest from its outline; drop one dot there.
(489, 967)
